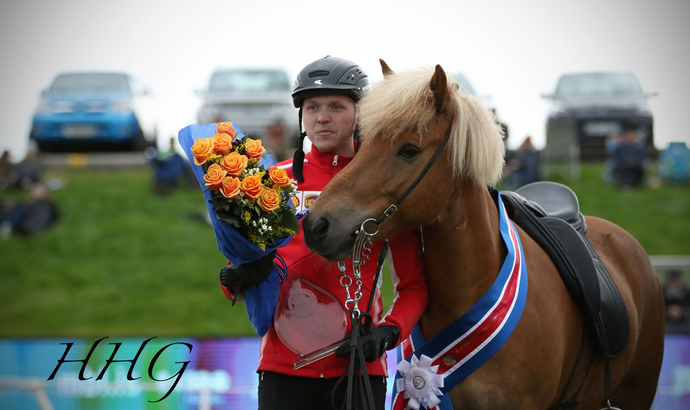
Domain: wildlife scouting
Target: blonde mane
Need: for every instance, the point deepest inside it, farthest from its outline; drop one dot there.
(403, 102)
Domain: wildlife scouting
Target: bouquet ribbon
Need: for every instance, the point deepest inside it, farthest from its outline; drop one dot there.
(260, 299)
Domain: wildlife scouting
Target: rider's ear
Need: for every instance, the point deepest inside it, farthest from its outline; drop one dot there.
(439, 88)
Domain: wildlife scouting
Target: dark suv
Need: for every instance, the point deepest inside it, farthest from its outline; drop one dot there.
(589, 108)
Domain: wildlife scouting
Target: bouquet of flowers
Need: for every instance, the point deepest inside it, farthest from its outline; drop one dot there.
(249, 201)
(248, 198)
(254, 200)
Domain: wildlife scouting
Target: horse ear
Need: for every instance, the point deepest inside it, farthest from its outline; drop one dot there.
(439, 87)
(384, 67)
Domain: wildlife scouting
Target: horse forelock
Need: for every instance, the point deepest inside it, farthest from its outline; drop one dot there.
(404, 102)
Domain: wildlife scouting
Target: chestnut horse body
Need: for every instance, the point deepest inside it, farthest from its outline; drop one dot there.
(551, 355)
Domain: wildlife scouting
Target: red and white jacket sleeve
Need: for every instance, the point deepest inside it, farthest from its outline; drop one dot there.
(409, 279)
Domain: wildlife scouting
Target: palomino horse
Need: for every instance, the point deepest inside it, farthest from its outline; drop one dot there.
(551, 359)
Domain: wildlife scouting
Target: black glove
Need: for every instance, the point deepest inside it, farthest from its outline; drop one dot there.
(374, 343)
(236, 277)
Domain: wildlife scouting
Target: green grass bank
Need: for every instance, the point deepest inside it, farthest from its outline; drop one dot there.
(125, 262)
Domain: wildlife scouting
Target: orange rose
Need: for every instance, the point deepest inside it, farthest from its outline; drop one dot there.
(222, 143)
(214, 176)
(253, 148)
(279, 176)
(230, 188)
(225, 128)
(251, 186)
(269, 200)
(234, 163)
(202, 150)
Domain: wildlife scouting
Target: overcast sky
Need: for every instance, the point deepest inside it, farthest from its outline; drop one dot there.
(512, 50)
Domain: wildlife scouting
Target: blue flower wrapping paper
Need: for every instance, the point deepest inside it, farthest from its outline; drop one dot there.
(260, 300)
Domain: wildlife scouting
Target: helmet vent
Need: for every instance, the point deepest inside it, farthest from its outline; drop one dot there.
(319, 73)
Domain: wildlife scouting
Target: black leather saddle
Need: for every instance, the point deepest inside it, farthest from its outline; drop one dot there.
(550, 214)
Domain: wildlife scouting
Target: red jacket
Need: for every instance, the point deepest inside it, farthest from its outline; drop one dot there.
(318, 278)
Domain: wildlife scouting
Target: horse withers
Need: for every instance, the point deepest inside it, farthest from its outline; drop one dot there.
(545, 354)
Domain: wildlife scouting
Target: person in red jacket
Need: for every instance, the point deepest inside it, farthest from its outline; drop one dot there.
(311, 312)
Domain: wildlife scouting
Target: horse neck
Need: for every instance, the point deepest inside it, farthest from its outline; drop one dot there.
(463, 253)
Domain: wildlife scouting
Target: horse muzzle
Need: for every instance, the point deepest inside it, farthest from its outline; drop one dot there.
(322, 238)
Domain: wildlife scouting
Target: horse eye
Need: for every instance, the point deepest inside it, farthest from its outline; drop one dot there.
(408, 151)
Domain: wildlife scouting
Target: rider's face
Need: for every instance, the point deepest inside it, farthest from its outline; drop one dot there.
(329, 121)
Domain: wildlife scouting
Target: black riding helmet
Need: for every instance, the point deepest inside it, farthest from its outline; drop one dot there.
(328, 75)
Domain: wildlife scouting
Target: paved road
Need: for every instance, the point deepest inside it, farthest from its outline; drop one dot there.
(94, 160)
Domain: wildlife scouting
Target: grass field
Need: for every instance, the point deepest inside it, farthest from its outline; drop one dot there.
(124, 262)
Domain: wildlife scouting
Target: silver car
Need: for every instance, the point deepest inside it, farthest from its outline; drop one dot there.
(258, 101)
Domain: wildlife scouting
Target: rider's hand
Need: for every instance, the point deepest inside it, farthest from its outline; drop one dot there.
(374, 343)
(249, 274)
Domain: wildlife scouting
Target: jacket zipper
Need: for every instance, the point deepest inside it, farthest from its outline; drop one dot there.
(335, 160)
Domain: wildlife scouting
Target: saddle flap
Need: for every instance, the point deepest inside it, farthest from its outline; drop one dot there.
(613, 315)
(585, 274)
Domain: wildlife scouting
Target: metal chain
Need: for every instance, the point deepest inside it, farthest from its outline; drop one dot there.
(361, 251)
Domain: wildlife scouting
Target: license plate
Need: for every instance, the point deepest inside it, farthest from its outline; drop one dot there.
(601, 128)
(78, 131)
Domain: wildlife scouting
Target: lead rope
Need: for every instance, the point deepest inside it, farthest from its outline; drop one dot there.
(357, 376)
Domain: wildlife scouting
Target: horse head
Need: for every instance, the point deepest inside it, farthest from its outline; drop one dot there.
(403, 121)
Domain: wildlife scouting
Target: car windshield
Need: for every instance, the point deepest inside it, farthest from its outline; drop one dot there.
(91, 83)
(598, 85)
(249, 81)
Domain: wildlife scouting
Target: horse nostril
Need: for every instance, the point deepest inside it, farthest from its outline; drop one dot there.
(319, 228)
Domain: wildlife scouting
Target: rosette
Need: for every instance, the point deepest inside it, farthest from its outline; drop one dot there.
(420, 382)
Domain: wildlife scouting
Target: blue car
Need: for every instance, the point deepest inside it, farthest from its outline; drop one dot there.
(94, 110)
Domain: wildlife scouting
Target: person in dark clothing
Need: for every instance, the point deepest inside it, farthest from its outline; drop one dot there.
(676, 297)
(522, 165)
(169, 169)
(29, 171)
(628, 159)
(31, 218)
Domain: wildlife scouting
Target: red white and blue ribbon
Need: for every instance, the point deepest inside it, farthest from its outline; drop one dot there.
(431, 368)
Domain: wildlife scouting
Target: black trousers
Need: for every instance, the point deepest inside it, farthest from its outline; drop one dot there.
(280, 391)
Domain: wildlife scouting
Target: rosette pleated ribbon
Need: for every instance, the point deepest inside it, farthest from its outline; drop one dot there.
(260, 300)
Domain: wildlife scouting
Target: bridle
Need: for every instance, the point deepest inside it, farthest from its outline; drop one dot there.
(394, 206)
(361, 250)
